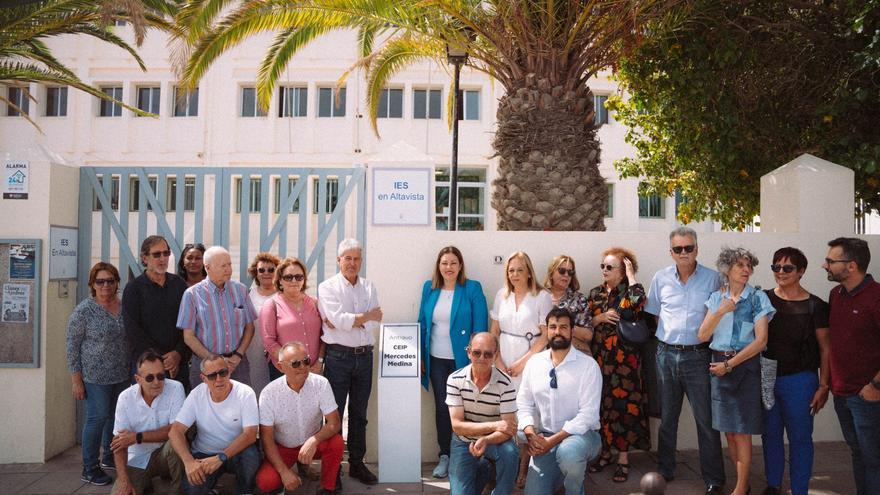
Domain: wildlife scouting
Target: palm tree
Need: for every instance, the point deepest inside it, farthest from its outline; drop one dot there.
(542, 52)
(25, 26)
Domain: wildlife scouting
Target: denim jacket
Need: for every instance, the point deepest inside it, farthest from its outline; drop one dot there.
(737, 328)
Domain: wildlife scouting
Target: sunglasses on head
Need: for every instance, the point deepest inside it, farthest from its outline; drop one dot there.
(785, 268)
(221, 373)
(553, 383)
(482, 354)
(160, 254)
(565, 271)
(290, 278)
(687, 249)
(608, 268)
(105, 281)
(271, 269)
(304, 361)
(158, 376)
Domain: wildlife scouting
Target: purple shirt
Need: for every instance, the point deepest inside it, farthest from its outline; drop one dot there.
(218, 316)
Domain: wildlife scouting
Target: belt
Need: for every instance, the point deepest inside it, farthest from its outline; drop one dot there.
(350, 350)
(528, 336)
(724, 354)
(678, 347)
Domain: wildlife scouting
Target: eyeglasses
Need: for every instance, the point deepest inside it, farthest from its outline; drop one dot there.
(687, 249)
(784, 268)
(553, 383)
(565, 271)
(264, 270)
(221, 373)
(608, 268)
(160, 254)
(304, 361)
(290, 278)
(104, 281)
(829, 261)
(478, 354)
(158, 376)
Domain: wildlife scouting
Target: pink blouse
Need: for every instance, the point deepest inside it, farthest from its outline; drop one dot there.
(280, 323)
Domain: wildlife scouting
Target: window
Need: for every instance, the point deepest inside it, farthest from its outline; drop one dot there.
(650, 206)
(332, 194)
(56, 101)
(427, 103)
(294, 102)
(19, 97)
(249, 106)
(471, 198)
(189, 194)
(111, 108)
(114, 194)
(135, 194)
(148, 99)
(186, 102)
(601, 113)
(280, 195)
(609, 207)
(329, 105)
(255, 200)
(468, 105)
(390, 104)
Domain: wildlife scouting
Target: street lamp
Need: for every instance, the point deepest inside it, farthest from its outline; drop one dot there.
(455, 55)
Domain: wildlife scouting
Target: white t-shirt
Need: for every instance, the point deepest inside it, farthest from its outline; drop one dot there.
(133, 414)
(219, 423)
(296, 416)
(441, 342)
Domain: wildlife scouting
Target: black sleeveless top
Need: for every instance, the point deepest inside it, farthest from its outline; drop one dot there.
(791, 339)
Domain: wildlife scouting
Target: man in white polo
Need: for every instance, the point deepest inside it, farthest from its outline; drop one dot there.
(144, 413)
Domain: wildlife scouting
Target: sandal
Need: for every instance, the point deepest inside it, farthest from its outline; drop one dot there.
(621, 474)
(600, 463)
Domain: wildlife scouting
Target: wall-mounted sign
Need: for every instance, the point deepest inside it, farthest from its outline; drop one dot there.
(400, 350)
(62, 252)
(15, 179)
(402, 196)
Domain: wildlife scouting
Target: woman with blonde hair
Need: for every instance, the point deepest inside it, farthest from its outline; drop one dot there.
(562, 284)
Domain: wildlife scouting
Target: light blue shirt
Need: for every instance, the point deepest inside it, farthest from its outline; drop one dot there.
(680, 306)
(737, 328)
(218, 316)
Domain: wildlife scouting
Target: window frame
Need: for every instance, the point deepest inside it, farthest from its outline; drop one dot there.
(153, 105)
(113, 109)
(385, 101)
(55, 104)
(439, 184)
(241, 103)
(278, 195)
(647, 204)
(255, 197)
(300, 101)
(21, 99)
(185, 102)
(335, 111)
(600, 116)
(332, 194)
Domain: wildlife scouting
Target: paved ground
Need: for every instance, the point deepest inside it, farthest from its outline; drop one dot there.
(831, 475)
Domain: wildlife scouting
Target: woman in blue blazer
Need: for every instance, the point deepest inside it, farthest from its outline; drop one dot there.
(452, 308)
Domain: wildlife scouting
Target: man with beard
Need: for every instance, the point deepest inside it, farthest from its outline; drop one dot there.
(558, 411)
(854, 322)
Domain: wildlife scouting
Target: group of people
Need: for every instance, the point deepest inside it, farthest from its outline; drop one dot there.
(543, 388)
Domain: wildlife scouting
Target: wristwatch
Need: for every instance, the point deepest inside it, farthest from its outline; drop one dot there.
(222, 457)
(236, 353)
(139, 438)
(875, 383)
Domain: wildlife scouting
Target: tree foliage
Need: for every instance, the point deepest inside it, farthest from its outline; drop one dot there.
(724, 92)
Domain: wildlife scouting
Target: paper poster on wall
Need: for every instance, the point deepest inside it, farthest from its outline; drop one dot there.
(15, 179)
(22, 261)
(16, 299)
(402, 196)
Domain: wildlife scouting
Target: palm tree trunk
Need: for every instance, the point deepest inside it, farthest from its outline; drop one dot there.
(548, 174)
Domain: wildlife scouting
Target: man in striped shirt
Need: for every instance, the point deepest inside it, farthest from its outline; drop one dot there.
(217, 317)
(482, 406)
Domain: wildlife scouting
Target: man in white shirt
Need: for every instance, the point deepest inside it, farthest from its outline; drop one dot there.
(144, 412)
(558, 411)
(298, 422)
(226, 416)
(350, 307)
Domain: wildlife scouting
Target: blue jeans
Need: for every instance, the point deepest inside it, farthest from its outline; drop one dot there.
(440, 371)
(243, 465)
(681, 373)
(565, 465)
(469, 475)
(790, 413)
(351, 378)
(860, 422)
(98, 428)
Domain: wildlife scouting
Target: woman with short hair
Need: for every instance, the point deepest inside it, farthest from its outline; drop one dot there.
(191, 266)
(262, 272)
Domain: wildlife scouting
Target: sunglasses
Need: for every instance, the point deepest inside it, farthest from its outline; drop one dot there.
(221, 373)
(290, 278)
(687, 249)
(783, 268)
(158, 376)
(105, 281)
(608, 268)
(553, 383)
(478, 354)
(565, 271)
(160, 254)
(829, 261)
(304, 361)
(264, 270)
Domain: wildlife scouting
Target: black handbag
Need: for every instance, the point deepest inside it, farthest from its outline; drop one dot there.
(634, 333)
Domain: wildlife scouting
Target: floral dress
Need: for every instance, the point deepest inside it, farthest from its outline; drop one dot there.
(576, 303)
(624, 410)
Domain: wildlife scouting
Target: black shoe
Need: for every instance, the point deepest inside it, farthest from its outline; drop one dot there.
(714, 490)
(109, 464)
(771, 490)
(95, 476)
(360, 472)
(668, 478)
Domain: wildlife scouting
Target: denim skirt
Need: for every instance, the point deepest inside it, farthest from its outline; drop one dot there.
(736, 399)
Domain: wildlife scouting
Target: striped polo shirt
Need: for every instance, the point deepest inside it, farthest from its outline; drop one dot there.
(217, 315)
(481, 406)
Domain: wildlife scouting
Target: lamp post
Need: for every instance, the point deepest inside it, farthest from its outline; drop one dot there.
(455, 55)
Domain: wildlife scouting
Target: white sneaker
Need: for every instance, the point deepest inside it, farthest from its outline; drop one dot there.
(442, 469)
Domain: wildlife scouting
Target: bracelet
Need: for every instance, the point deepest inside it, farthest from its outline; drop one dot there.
(236, 353)
(727, 366)
(139, 438)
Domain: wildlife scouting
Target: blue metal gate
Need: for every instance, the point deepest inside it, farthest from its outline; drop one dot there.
(299, 210)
